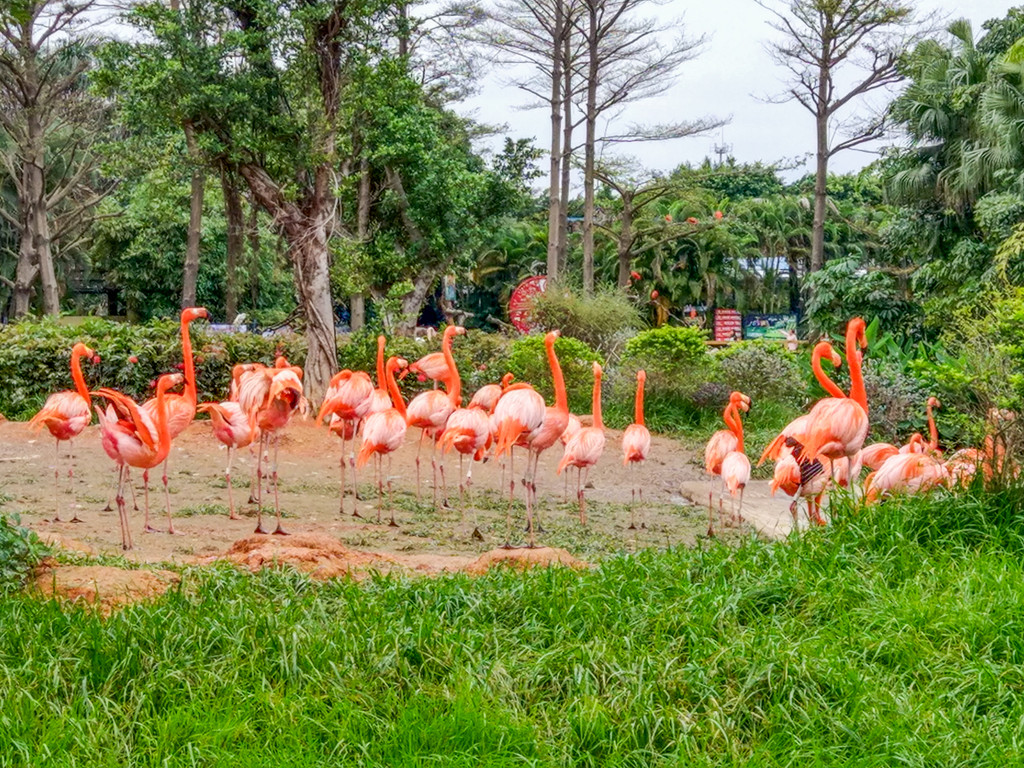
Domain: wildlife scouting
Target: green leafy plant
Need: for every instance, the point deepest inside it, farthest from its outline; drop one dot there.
(603, 321)
(20, 552)
(764, 370)
(528, 362)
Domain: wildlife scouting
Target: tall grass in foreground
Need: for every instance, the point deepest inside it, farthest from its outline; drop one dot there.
(895, 637)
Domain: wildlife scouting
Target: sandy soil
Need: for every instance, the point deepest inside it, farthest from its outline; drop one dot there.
(309, 486)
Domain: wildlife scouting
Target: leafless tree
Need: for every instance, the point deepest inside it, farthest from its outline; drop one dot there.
(837, 52)
(52, 123)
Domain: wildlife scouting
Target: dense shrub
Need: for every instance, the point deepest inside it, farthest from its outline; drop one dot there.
(896, 401)
(20, 552)
(764, 370)
(528, 362)
(675, 358)
(604, 321)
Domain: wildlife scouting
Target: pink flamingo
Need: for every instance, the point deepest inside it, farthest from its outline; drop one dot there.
(348, 401)
(724, 441)
(585, 449)
(874, 455)
(234, 428)
(433, 366)
(380, 400)
(556, 419)
(571, 429)
(520, 411)
(429, 411)
(134, 439)
(181, 409)
(384, 432)
(636, 444)
(274, 395)
(468, 431)
(488, 395)
(801, 480)
(905, 473)
(65, 414)
(838, 425)
(735, 472)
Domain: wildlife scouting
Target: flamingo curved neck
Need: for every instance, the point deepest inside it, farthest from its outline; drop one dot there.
(857, 391)
(819, 373)
(190, 371)
(737, 429)
(396, 396)
(638, 416)
(933, 431)
(381, 341)
(561, 398)
(454, 383)
(729, 417)
(598, 421)
(76, 375)
(162, 432)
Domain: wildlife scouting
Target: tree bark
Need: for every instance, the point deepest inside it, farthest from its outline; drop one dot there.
(566, 159)
(253, 228)
(236, 242)
(820, 174)
(554, 196)
(190, 273)
(357, 302)
(589, 149)
(625, 243)
(412, 302)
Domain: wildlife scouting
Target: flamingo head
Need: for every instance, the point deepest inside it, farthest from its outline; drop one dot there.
(506, 380)
(381, 341)
(597, 370)
(80, 349)
(739, 400)
(286, 385)
(933, 402)
(857, 330)
(641, 376)
(194, 313)
(549, 338)
(825, 351)
(454, 330)
(169, 381)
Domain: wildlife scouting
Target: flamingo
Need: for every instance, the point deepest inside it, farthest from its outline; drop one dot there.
(724, 441)
(584, 450)
(65, 414)
(488, 395)
(380, 400)
(134, 438)
(520, 411)
(274, 395)
(384, 432)
(806, 480)
(181, 409)
(468, 431)
(571, 429)
(905, 473)
(636, 443)
(735, 471)
(347, 401)
(556, 419)
(430, 410)
(874, 455)
(433, 366)
(234, 428)
(838, 425)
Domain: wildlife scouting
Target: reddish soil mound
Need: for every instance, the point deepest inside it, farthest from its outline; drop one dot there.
(319, 555)
(523, 558)
(55, 539)
(107, 588)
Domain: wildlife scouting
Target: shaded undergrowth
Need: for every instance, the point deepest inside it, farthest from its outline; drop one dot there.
(896, 636)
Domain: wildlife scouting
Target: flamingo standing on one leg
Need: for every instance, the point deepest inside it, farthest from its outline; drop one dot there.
(384, 432)
(181, 409)
(65, 414)
(636, 444)
(585, 449)
(347, 402)
(234, 428)
(135, 439)
(430, 410)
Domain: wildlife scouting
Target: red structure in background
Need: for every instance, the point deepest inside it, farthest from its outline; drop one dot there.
(521, 301)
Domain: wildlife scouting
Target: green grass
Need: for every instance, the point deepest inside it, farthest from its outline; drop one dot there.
(895, 637)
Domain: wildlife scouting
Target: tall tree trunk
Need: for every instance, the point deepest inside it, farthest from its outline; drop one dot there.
(625, 244)
(820, 176)
(412, 302)
(253, 229)
(236, 241)
(589, 150)
(357, 302)
(563, 206)
(190, 276)
(554, 198)
(26, 271)
(306, 226)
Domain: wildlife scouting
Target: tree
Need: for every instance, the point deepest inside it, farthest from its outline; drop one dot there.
(838, 51)
(52, 123)
(626, 60)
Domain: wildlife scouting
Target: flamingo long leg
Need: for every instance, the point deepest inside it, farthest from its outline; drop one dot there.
(167, 499)
(343, 462)
(379, 464)
(259, 487)
(126, 532)
(227, 479)
(419, 448)
(56, 480)
(355, 479)
(146, 528)
(391, 503)
(277, 501)
(583, 496)
(71, 480)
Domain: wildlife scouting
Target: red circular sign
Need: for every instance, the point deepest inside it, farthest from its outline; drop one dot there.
(521, 301)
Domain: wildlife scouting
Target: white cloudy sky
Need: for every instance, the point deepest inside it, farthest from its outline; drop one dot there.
(732, 77)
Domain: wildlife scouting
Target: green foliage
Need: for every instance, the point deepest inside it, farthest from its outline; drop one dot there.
(20, 552)
(528, 361)
(764, 370)
(34, 358)
(838, 643)
(604, 321)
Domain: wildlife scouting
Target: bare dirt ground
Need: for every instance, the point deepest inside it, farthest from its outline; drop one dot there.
(309, 490)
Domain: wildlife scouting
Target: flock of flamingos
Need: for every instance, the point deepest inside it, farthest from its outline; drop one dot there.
(824, 447)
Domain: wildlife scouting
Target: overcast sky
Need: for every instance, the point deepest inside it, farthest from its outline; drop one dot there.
(732, 77)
